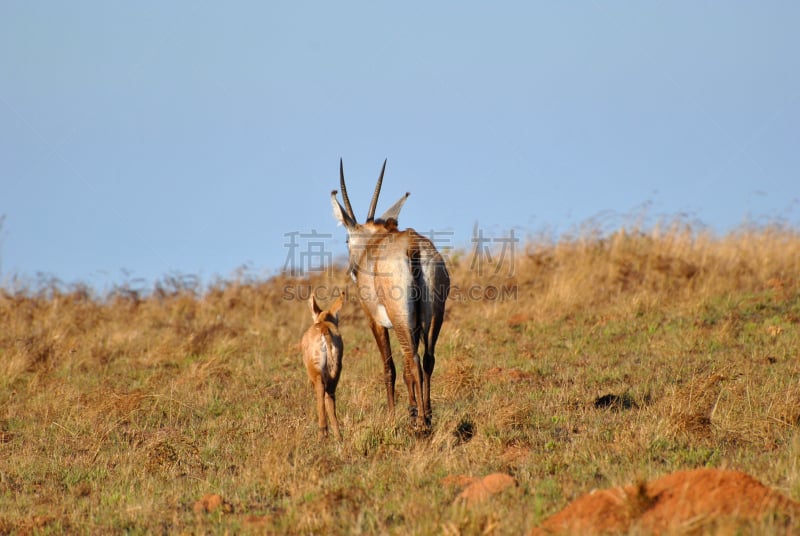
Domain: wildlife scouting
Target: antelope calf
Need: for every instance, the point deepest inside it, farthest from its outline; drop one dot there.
(322, 356)
(403, 284)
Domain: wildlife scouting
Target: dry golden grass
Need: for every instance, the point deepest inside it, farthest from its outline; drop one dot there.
(598, 362)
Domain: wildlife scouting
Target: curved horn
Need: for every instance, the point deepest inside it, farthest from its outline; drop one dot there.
(374, 203)
(346, 199)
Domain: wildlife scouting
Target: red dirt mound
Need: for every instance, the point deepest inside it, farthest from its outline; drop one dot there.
(681, 502)
(211, 502)
(477, 490)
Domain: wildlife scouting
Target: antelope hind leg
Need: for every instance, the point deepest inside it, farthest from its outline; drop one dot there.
(412, 374)
(330, 408)
(319, 391)
(381, 335)
(428, 362)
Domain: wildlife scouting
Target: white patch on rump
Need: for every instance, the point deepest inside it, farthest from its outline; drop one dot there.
(383, 318)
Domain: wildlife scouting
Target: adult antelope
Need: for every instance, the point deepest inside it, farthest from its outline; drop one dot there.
(402, 284)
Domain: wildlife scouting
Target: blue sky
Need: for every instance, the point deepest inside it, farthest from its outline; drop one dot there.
(140, 139)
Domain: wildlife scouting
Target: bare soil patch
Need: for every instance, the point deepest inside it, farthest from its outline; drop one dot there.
(212, 502)
(477, 490)
(684, 502)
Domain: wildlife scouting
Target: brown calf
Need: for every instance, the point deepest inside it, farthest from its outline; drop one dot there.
(322, 355)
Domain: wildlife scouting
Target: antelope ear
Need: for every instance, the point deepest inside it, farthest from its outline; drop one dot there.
(340, 213)
(394, 210)
(334, 310)
(315, 310)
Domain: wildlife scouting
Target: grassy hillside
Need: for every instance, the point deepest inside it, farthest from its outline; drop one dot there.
(590, 362)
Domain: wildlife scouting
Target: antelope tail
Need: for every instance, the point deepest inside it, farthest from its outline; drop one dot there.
(331, 362)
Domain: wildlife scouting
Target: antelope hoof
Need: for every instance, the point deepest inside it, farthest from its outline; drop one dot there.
(422, 428)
